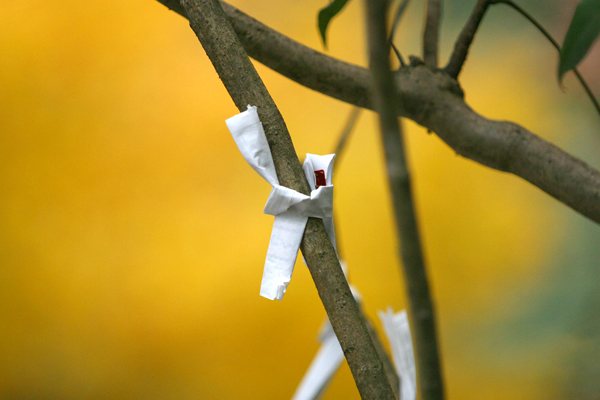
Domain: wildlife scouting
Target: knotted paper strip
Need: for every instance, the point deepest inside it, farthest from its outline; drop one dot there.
(397, 331)
(290, 208)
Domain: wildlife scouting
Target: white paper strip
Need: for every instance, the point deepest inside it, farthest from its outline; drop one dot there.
(327, 360)
(290, 208)
(321, 167)
(397, 331)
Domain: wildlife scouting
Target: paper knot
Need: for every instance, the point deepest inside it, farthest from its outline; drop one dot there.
(290, 208)
(319, 204)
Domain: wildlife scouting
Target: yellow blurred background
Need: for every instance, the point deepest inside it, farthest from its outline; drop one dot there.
(132, 237)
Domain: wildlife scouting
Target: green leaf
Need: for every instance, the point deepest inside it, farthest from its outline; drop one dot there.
(583, 31)
(325, 16)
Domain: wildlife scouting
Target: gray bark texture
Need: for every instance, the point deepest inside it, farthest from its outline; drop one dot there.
(433, 99)
(244, 85)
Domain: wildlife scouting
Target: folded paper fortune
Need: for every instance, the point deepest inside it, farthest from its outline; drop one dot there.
(397, 330)
(290, 208)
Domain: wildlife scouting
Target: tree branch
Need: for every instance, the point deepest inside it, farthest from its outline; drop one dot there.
(245, 87)
(431, 33)
(434, 100)
(388, 366)
(463, 43)
(383, 355)
(422, 312)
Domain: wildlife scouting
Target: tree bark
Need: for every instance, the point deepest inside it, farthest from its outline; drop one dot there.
(434, 100)
(245, 87)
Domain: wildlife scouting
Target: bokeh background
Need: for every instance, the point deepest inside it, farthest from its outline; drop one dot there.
(132, 237)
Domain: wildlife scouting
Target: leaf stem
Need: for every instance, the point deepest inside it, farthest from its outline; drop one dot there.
(554, 43)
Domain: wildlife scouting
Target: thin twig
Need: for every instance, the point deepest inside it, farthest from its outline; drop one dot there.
(345, 134)
(383, 355)
(339, 150)
(429, 376)
(397, 52)
(397, 17)
(463, 43)
(431, 32)
(244, 85)
(554, 43)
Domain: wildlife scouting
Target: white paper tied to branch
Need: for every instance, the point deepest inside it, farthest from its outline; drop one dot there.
(290, 208)
(397, 331)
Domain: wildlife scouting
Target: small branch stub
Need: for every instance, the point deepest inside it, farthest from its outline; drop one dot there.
(463, 43)
(431, 33)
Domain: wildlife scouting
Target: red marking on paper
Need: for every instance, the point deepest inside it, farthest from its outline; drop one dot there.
(321, 181)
